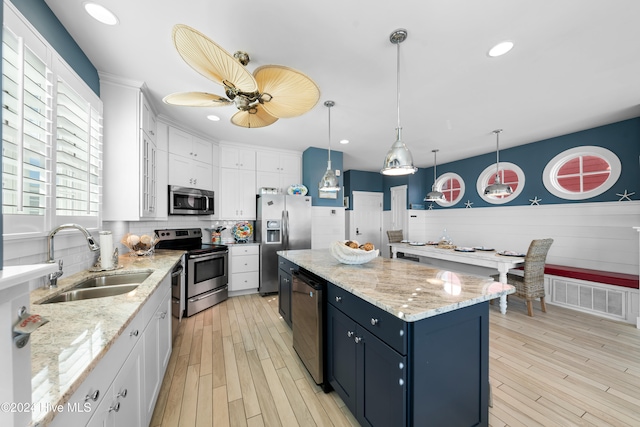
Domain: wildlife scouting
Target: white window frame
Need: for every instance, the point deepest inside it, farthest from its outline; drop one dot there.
(550, 172)
(441, 180)
(490, 172)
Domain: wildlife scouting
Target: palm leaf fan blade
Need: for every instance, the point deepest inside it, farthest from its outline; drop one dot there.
(196, 99)
(292, 92)
(253, 120)
(207, 58)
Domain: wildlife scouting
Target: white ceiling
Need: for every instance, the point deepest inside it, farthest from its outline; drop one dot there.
(575, 65)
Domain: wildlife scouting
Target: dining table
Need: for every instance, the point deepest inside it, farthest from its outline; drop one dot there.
(503, 261)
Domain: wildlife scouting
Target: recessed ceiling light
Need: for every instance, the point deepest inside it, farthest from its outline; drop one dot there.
(213, 118)
(500, 49)
(344, 141)
(101, 13)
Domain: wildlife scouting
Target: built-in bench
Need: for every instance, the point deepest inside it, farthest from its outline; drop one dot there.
(606, 293)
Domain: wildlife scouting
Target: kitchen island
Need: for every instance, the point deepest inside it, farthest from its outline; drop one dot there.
(75, 356)
(406, 344)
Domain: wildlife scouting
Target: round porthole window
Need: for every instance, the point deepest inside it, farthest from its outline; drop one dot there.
(452, 186)
(581, 172)
(510, 174)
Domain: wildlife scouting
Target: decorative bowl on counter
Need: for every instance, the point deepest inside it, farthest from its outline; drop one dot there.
(139, 245)
(349, 255)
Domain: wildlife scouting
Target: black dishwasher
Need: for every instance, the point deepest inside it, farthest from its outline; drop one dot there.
(306, 315)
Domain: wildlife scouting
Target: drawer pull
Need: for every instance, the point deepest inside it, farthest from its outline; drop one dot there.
(163, 315)
(338, 299)
(134, 333)
(401, 381)
(357, 340)
(374, 321)
(349, 334)
(92, 396)
(123, 393)
(115, 408)
(401, 365)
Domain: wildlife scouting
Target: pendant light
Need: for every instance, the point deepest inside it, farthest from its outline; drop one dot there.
(329, 182)
(434, 195)
(399, 160)
(497, 189)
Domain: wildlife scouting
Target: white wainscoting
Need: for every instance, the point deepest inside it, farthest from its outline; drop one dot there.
(327, 226)
(588, 235)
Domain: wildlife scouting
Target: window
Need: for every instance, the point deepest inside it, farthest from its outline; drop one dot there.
(52, 137)
(581, 172)
(509, 174)
(452, 186)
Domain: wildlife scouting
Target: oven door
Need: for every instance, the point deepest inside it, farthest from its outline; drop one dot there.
(206, 272)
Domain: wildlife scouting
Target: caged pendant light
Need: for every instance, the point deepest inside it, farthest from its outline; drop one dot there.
(329, 182)
(497, 189)
(399, 160)
(434, 195)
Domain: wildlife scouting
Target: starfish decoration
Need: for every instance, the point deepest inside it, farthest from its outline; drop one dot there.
(468, 204)
(535, 201)
(625, 195)
(430, 206)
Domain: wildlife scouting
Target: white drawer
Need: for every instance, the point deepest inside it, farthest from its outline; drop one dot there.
(239, 249)
(242, 281)
(243, 264)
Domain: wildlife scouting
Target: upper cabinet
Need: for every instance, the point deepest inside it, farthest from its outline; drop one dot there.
(190, 160)
(277, 170)
(130, 152)
(237, 158)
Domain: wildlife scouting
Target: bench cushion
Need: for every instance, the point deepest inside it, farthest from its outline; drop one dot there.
(598, 276)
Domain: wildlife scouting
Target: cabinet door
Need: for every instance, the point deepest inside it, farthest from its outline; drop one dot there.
(237, 157)
(267, 161)
(128, 392)
(267, 180)
(247, 194)
(228, 205)
(381, 384)
(149, 177)
(180, 143)
(202, 150)
(104, 414)
(202, 175)
(290, 164)
(341, 356)
(180, 172)
(284, 295)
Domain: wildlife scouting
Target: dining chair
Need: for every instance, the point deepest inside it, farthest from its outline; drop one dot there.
(395, 236)
(531, 285)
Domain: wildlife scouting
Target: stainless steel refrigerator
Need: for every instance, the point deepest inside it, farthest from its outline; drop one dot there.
(283, 222)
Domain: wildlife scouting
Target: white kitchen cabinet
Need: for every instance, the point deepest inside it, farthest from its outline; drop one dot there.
(190, 160)
(244, 268)
(130, 162)
(237, 194)
(277, 170)
(237, 157)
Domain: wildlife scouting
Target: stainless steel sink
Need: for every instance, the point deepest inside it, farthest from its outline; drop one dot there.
(101, 286)
(113, 280)
(90, 293)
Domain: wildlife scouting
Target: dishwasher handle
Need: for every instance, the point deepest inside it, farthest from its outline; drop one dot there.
(309, 281)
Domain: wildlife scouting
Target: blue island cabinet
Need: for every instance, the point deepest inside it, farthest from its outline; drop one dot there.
(432, 372)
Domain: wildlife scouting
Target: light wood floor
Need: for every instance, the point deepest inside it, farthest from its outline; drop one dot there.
(234, 365)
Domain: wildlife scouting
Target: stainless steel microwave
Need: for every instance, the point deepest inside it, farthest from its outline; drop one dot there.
(190, 201)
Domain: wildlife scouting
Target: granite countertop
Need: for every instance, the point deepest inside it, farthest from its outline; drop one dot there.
(409, 290)
(79, 333)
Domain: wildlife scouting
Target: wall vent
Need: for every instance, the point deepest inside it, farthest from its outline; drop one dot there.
(589, 298)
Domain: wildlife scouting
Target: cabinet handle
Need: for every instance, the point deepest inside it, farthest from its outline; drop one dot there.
(338, 299)
(115, 408)
(92, 396)
(401, 381)
(349, 334)
(374, 321)
(122, 394)
(163, 314)
(357, 340)
(134, 333)
(401, 365)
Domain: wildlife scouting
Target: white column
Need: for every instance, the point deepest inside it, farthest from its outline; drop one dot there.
(638, 318)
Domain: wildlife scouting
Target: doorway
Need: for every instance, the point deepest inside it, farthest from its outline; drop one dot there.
(399, 208)
(367, 218)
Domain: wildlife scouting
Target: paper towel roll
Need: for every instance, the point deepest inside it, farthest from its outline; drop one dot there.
(106, 250)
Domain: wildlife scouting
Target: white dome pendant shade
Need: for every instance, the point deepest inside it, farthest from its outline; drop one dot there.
(497, 189)
(329, 181)
(399, 160)
(434, 195)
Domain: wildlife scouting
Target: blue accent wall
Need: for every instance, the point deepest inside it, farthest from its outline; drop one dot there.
(361, 181)
(44, 20)
(622, 138)
(314, 164)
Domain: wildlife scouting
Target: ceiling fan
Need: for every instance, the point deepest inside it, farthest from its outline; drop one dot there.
(273, 91)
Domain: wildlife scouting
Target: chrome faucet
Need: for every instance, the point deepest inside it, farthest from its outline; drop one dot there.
(53, 277)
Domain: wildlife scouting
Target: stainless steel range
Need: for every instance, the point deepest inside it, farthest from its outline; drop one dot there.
(207, 267)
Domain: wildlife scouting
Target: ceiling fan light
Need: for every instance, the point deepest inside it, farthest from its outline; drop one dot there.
(500, 49)
(100, 13)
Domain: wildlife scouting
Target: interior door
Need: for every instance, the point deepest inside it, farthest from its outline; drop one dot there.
(367, 218)
(399, 208)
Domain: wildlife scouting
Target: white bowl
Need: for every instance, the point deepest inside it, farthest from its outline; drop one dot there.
(347, 255)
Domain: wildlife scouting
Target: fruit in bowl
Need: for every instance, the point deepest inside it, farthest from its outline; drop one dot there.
(139, 245)
(351, 252)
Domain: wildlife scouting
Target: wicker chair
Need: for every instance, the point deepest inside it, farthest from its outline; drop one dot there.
(531, 285)
(395, 236)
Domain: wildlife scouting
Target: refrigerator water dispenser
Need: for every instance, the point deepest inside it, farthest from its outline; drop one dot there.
(274, 232)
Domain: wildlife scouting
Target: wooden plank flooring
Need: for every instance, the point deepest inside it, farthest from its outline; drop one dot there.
(234, 365)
